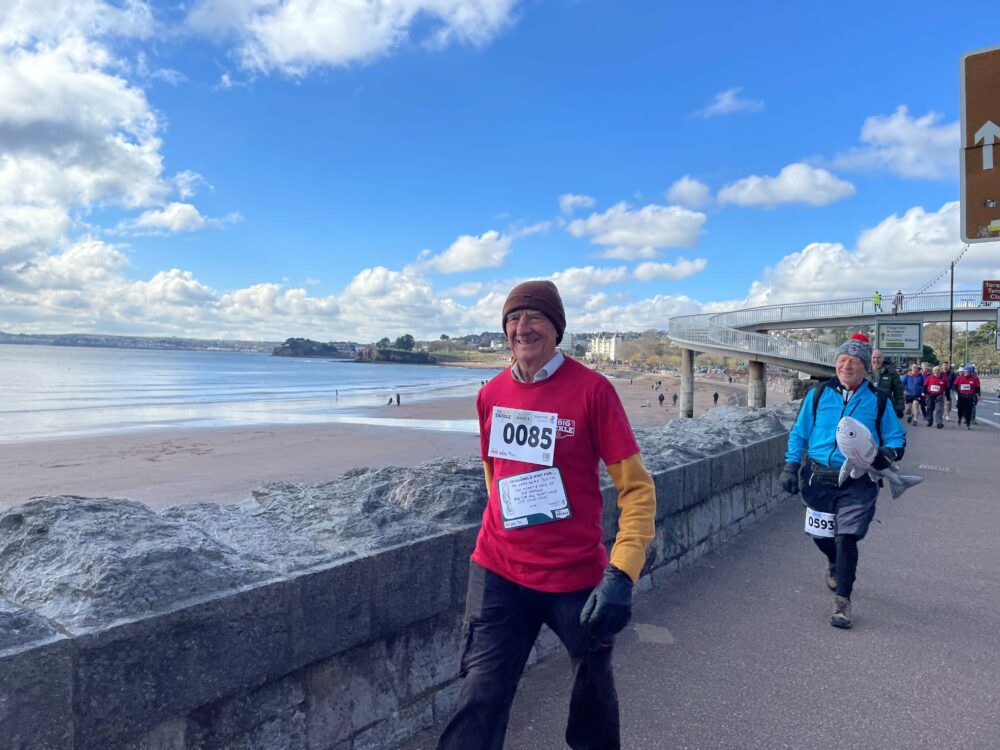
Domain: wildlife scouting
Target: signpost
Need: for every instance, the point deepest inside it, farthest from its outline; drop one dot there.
(902, 337)
(991, 291)
(980, 137)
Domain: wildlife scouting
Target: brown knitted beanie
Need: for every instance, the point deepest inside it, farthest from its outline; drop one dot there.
(536, 295)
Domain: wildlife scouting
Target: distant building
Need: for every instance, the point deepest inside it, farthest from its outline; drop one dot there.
(566, 345)
(604, 347)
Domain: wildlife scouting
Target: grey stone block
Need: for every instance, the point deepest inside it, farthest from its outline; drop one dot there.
(777, 447)
(138, 674)
(465, 543)
(446, 701)
(331, 610)
(705, 521)
(756, 457)
(410, 583)
(669, 492)
(609, 513)
(726, 470)
(272, 716)
(697, 482)
(353, 691)
(430, 652)
(398, 728)
(170, 735)
(36, 679)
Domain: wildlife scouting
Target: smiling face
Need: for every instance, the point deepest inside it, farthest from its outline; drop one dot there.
(532, 339)
(850, 371)
(877, 360)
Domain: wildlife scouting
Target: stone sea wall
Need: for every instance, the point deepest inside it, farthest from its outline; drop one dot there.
(324, 617)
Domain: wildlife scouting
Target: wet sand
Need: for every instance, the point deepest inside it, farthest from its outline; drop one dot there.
(224, 465)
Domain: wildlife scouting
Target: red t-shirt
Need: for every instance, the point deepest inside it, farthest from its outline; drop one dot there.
(934, 385)
(567, 554)
(967, 385)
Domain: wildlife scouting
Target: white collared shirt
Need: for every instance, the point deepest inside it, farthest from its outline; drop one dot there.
(547, 371)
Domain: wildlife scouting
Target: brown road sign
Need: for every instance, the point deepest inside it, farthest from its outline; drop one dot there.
(980, 139)
(991, 291)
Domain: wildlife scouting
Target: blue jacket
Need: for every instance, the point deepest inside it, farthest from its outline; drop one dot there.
(913, 385)
(821, 434)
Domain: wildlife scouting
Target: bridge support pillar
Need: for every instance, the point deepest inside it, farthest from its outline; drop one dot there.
(687, 383)
(757, 385)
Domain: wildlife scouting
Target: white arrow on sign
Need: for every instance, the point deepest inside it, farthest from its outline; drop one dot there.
(988, 133)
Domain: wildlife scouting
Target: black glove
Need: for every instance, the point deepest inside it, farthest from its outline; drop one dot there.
(884, 458)
(790, 478)
(609, 606)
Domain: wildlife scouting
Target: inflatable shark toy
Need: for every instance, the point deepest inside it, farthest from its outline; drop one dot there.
(855, 441)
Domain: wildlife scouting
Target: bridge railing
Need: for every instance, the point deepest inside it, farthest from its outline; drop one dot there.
(721, 330)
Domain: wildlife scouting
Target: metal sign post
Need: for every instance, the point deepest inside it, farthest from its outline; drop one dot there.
(980, 137)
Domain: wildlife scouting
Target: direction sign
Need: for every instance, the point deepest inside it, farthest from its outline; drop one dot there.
(991, 291)
(903, 337)
(980, 138)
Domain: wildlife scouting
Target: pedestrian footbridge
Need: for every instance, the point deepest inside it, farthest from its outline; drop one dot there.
(745, 333)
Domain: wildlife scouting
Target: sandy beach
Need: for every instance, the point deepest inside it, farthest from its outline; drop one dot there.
(224, 465)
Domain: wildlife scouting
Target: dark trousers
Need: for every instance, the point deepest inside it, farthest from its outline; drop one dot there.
(965, 409)
(502, 621)
(842, 552)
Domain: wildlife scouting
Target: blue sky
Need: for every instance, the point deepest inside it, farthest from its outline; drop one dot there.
(348, 169)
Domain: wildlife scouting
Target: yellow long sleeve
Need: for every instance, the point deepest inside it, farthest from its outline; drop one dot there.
(637, 515)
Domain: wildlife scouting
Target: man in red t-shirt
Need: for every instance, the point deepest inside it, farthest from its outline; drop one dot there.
(967, 387)
(545, 425)
(935, 392)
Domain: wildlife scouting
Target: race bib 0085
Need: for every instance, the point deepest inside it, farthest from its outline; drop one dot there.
(523, 435)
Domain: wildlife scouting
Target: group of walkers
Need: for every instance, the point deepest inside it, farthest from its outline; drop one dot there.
(897, 301)
(928, 393)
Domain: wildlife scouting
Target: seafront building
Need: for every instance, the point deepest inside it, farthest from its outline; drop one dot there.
(604, 347)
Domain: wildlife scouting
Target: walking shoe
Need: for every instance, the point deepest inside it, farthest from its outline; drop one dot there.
(908, 419)
(831, 577)
(841, 617)
(947, 417)
(940, 426)
(930, 424)
(968, 426)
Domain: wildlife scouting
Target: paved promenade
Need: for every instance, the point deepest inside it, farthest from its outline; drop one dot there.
(737, 652)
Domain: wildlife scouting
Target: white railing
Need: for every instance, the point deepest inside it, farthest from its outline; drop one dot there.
(722, 330)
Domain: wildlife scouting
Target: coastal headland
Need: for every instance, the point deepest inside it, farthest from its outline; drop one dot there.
(168, 467)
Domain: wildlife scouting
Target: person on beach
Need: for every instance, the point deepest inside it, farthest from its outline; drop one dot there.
(545, 423)
(661, 398)
(674, 399)
(397, 399)
(715, 399)
(838, 515)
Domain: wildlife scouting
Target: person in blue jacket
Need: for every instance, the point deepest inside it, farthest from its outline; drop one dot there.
(838, 516)
(913, 388)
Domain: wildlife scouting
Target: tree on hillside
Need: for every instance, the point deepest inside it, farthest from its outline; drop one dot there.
(383, 343)
(405, 342)
(444, 336)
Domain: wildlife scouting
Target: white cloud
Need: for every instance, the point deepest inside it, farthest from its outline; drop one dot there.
(580, 281)
(54, 20)
(796, 183)
(915, 148)
(689, 192)
(469, 253)
(901, 252)
(648, 227)
(296, 36)
(729, 102)
(569, 202)
(671, 271)
(470, 289)
(538, 227)
(177, 217)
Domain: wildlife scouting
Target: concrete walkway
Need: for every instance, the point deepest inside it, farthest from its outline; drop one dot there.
(737, 651)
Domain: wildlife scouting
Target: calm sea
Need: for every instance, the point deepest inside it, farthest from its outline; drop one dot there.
(56, 391)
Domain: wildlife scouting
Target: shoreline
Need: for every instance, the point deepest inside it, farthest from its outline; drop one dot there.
(225, 464)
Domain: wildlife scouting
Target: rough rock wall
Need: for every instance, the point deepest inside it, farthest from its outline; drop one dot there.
(322, 616)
